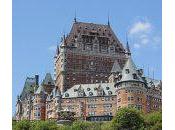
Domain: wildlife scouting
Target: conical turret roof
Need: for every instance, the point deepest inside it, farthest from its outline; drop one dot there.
(129, 72)
(48, 80)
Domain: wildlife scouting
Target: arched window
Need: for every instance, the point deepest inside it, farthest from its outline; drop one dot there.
(90, 93)
(110, 92)
(66, 95)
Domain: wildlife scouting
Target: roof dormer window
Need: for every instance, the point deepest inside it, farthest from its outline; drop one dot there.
(107, 88)
(110, 92)
(134, 76)
(127, 71)
(90, 93)
(88, 89)
(66, 95)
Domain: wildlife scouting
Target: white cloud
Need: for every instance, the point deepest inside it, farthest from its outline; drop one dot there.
(140, 27)
(53, 48)
(143, 33)
(145, 41)
(136, 45)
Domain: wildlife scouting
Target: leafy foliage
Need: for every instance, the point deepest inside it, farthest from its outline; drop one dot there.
(22, 125)
(153, 120)
(66, 115)
(86, 125)
(125, 119)
(128, 118)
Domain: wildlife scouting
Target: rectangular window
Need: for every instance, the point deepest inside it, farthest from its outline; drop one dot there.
(127, 71)
(129, 98)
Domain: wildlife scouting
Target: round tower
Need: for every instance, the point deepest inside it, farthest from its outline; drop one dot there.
(131, 88)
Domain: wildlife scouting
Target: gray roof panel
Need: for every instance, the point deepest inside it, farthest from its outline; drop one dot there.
(90, 89)
(132, 69)
(116, 67)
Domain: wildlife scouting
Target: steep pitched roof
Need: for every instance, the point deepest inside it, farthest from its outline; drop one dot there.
(86, 28)
(130, 71)
(48, 80)
(116, 67)
(28, 87)
(151, 81)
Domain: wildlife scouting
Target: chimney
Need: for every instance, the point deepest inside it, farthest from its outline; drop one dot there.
(37, 79)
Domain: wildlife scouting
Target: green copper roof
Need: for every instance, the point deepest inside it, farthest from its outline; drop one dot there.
(28, 88)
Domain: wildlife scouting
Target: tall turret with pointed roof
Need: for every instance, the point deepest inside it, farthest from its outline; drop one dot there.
(48, 83)
(131, 88)
(130, 72)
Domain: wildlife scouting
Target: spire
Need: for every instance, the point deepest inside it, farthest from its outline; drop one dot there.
(108, 20)
(75, 18)
(127, 46)
(64, 40)
(57, 51)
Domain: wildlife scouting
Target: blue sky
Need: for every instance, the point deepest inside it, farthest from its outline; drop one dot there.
(39, 24)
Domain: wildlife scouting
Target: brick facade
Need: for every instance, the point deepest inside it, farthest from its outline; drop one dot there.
(94, 77)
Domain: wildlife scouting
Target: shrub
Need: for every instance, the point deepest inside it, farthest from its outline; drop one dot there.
(153, 120)
(44, 125)
(22, 125)
(86, 125)
(128, 118)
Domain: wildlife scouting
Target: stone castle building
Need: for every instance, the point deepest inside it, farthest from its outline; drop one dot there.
(86, 55)
(94, 77)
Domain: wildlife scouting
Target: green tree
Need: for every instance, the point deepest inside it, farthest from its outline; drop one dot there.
(153, 120)
(108, 126)
(80, 125)
(128, 119)
(86, 125)
(44, 125)
(14, 124)
(22, 125)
